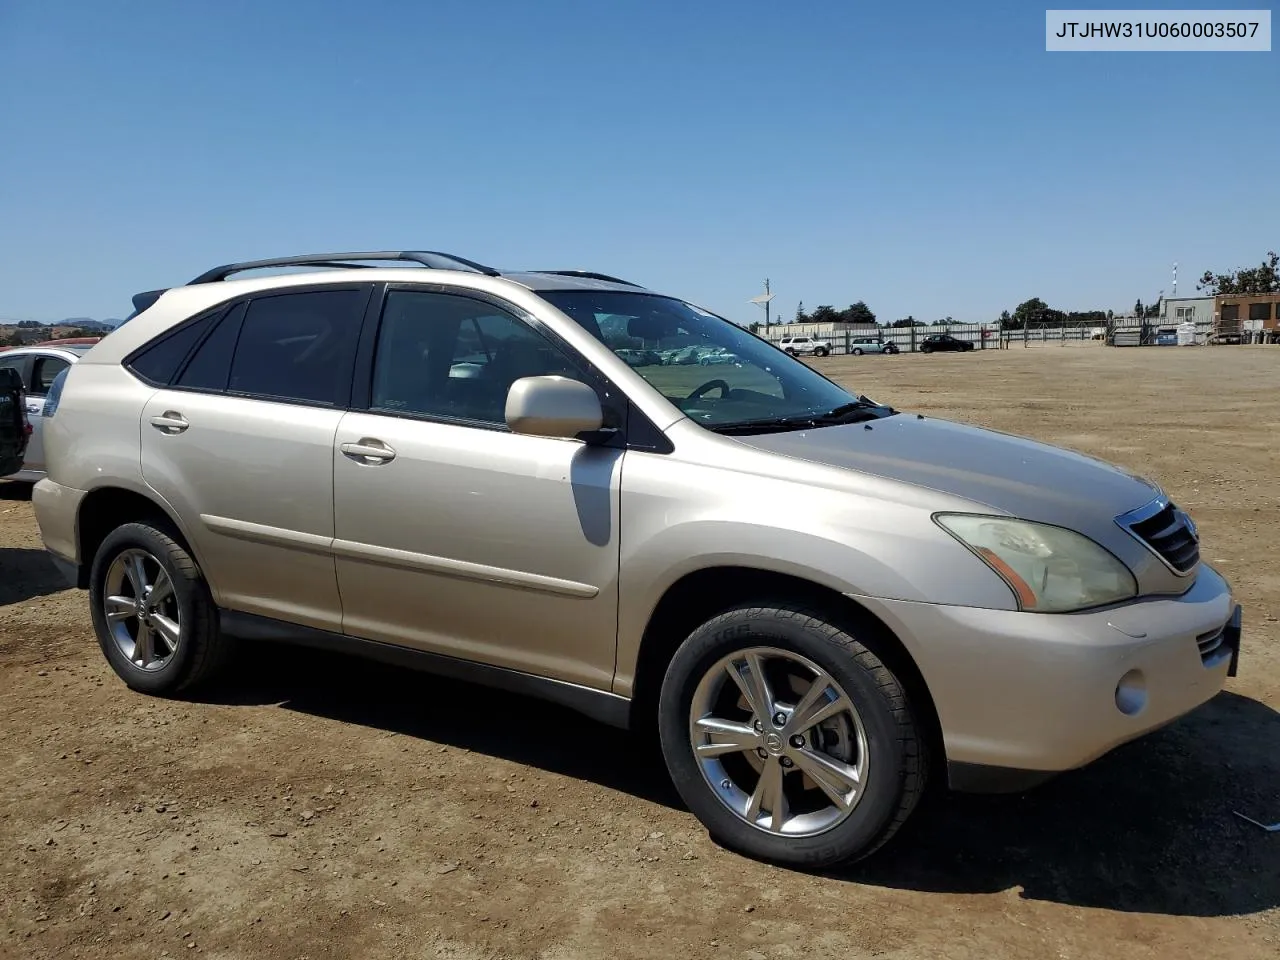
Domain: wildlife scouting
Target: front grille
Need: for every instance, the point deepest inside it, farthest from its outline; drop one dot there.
(1171, 535)
(1211, 642)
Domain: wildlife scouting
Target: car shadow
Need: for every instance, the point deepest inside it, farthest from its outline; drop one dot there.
(1148, 828)
(26, 574)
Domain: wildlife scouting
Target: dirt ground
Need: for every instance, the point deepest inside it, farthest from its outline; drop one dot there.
(315, 807)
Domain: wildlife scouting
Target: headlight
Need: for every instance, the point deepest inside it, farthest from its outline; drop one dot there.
(1050, 569)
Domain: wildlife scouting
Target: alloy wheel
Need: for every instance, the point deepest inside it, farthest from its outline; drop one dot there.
(779, 741)
(141, 609)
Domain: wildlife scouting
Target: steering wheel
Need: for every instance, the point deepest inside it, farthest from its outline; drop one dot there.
(707, 388)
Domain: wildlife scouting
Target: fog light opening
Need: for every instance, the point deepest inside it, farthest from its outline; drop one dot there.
(1131, 693)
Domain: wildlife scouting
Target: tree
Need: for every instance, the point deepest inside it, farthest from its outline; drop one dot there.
(1006, 321)
(1138, 309)
(824, 314)
(904, 322)
(801, 316)
(1264, 278)
(1029, 312)
(858, 313)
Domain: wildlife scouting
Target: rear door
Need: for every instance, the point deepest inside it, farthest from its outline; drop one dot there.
(240, 443)
(13, 423)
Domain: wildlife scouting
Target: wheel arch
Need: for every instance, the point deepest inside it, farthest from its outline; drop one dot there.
(701, 594)
(105, 508)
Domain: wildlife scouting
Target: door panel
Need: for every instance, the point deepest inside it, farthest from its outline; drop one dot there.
(480, 544)
(43, 369)
(254, 481)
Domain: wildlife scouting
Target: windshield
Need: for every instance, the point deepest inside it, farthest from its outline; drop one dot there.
(720, 375)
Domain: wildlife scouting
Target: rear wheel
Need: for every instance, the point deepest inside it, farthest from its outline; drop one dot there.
(926, 349)
(793, 351)
(789, 739)
(155, 619)
(856, 351)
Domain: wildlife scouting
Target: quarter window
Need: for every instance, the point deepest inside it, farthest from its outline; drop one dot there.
(440, 355)
(298, 346)
(211, 365)
(160, 361)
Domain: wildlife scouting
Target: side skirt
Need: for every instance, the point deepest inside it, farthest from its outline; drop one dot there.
(599, 705)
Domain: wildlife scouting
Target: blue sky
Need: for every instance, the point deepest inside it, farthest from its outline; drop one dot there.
(929, 158)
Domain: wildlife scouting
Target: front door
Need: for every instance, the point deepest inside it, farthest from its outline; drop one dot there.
(241, 444)
(453, 534)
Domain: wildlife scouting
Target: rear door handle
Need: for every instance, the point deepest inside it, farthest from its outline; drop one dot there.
(368, 451)
(171, 421)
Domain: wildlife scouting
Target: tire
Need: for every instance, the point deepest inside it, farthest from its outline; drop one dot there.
(891, 349)
(172, 666)
(793, 352)
(879, 739)
(926, 349)
(856, 351)
(820, 351)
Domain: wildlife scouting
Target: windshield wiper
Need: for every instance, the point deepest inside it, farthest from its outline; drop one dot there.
(855, 411)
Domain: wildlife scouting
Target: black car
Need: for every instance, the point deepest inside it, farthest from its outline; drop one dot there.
(943, 341)
(14, 429)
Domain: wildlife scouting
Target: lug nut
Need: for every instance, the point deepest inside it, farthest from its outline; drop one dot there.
(787, 762)
(762, 753)
(797, 741)
(779, 719)
(759, 726)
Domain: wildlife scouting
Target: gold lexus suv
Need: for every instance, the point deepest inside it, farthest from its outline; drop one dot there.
(563, 484)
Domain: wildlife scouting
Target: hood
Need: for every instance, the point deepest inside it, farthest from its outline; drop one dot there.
(1013, 475)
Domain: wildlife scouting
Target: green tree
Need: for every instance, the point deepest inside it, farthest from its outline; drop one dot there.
(907, 321)
(1029, 313)
(801, 316)
(1006, 321)
(824, 314)
(1264, 278)
(858, 313)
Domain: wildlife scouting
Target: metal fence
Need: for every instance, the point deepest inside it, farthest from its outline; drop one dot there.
(982, 336)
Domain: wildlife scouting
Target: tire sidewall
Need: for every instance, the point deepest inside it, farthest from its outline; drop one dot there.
(857, 351)
(188, 593)
(886, 758)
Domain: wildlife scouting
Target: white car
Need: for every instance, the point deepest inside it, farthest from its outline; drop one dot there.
(37, 365)
(801, 345)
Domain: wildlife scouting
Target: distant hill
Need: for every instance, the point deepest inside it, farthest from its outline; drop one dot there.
(88, 323)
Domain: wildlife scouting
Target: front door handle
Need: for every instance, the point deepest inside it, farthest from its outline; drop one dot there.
(33, 409)
(171, 421)
(368, 451)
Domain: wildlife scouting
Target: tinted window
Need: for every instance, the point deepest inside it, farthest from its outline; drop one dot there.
(43, 371)
(160, 361)
(448, 356)
(298, 346)
(210, 367)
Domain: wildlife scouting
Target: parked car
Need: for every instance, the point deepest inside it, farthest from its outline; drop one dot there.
(943, 341)
(871, 345)
(15, 427)
(37, 365)
(289, 457)
(800, 346)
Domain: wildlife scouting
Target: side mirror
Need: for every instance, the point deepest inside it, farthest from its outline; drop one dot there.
(553, 407)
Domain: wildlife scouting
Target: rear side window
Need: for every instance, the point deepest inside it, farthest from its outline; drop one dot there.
(42, 373)
(160, 361)
(298, 346)
(210, 367)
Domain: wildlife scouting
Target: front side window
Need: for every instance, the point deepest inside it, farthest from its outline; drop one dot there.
(298, 346)
(721, 376)
(452, 357)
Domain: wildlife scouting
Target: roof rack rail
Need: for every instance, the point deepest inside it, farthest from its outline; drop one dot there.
(428, 258)
(589, 274)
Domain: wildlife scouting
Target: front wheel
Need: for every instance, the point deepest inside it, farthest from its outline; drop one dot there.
(820, 351)
(789, 739)
(891, 349)
(155, 619)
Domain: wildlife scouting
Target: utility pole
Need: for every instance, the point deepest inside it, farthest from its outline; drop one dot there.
(764, 300)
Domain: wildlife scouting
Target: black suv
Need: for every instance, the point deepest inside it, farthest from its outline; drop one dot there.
(14, 428)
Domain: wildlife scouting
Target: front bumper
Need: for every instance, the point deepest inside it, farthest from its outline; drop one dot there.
(1029, 694)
